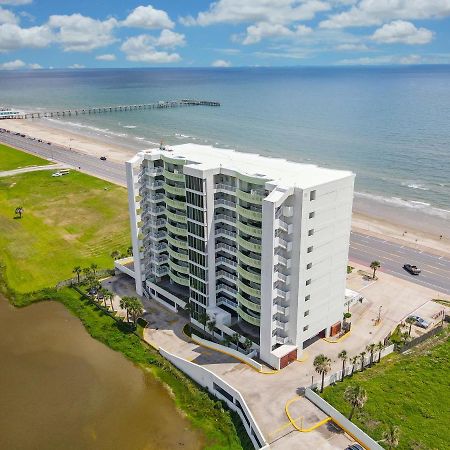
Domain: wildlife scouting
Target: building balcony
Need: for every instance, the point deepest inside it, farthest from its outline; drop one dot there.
(251, 275)
(251, 197)
(157, 248)
(253, 260)
(181, 191)
(281, 243)
(286, 279)
(225, 218)
(177, 243)
(248, 289)
(224, 287)
(153, 171)
(288, 211)
(283, 294)
(177, 204)
(281, 340)
(155, 210)
(173, 176)
(249, 213)
(278, 259)
(226, 261)
(282, 309)
(160, 271)
(227, 275)
(249, 304)
(179, 280)
(177, 255)
(282, 325)
(226, 233)
(178, 230)
(252, 245)
(224, 203)
(226, 247)
(286, 227)
(249, 229)
(180, 268)
(225, 187)
(158, 184)
(177, 216)
(159, 235)
(248, 318)
(226, 301)
(161, 259)
(155, 198)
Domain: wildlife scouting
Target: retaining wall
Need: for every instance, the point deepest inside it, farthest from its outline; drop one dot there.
(349, 427)
(222, 390)
(229, 351)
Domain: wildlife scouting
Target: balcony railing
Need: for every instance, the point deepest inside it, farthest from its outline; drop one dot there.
(248, 289)
(249, 274)
(223, 260)
(161, 271)
(226, 288)
(249, 213)
(178, 255)
(177, 216)
(181, 229)
(174, 190)
(249, 304)
(225, 187)
(248, 318)
(223, 202)
(249, 229)
(160, 247)
(159, 259)
(253, 245)
(225, 232)
(153, 171)
(173, 176)
(180, 280)
(156, 184)
(225, 274)
(253, 259)
(251, 197)
(177, 243)
(226, 247)
(226, 301)
(219, 217)
(177, 204)
(158, 235)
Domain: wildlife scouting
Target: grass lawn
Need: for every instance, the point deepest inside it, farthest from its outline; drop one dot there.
(410, 391)
(67, 221)
(11, 159)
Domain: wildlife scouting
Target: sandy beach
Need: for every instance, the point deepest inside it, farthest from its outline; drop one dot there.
(394, 224)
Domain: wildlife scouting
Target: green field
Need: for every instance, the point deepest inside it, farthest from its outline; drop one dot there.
(67, 221)
(410, 391)
(11, 159)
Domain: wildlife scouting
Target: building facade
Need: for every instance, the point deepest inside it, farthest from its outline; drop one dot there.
(255, 246)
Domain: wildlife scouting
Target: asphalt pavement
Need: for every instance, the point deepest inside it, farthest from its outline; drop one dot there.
(363, 248)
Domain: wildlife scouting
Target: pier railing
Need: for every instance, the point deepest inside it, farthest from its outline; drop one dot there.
(117, 108)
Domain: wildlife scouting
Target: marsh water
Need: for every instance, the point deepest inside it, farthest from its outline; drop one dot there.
(62, 389)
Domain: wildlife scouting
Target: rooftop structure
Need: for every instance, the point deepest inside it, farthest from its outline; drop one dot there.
(256, 245)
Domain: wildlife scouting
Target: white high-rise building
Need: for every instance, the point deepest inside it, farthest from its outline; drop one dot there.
(258, 244)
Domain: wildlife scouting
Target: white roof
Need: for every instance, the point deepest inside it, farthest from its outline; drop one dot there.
(281, 171)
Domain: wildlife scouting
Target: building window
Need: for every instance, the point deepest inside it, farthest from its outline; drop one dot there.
(307, 298)
(311, 232)
(310, 249)
(193, 183)
(306, 313)
(194, 199)
(308, 282)
(308, 266)
(196, 229)
(305, 328)
(196, 243)
(195, 214)
(312, 195)
(312, 214)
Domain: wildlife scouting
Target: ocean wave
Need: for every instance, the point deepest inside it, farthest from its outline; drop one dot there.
(418, 186)
(104, 131)
(129, 126)
(410, 204)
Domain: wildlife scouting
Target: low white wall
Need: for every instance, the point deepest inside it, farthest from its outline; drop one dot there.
(342, 421)
(120, 266)
(229, 351)
(222, 390)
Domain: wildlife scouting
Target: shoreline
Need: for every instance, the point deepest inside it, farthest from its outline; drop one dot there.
(382, 219)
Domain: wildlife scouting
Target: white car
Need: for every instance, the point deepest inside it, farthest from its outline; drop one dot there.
(56, 174)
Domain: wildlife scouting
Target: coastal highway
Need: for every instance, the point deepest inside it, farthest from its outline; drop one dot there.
(363, 248)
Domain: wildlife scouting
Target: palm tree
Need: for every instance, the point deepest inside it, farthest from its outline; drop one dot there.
(77, 270)
(391, 436)
(109, 296)
(227, 340)
(203, 319)
(93, 268)
(362, 355)
(86, 272)
(356, 396)
(235, 339)
(19, 211)
(371, 349)
(130, 251)
(354, 360)
(211, 325)
(343, 357)
(411, 321)
(247, 344)
(322, 364)
(374, 265)
(380, 347)
(125, 304)
(136, 308)
(115, 254)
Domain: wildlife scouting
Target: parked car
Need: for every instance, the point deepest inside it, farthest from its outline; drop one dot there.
(92, 291)
(419, 321)
(56, 174)
(103, 158)
(413, 270)
(355, 446)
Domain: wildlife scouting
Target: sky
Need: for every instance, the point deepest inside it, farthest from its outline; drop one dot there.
(47, 34)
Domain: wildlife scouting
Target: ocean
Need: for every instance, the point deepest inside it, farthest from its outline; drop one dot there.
(390, 125)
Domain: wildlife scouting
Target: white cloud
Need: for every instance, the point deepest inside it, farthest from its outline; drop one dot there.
(7, 16)
(169, 39)
(148, 17)
(142, 49)
(221, 63)
(376, 12)
(107, 57)
(15, 2)
(76, 66)
(12, 65)
(13, 37)
(402, 32)
(260, 31)
(35, 66)
(82, 34)
(382, 60)
(351, 47)
(239, 11)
